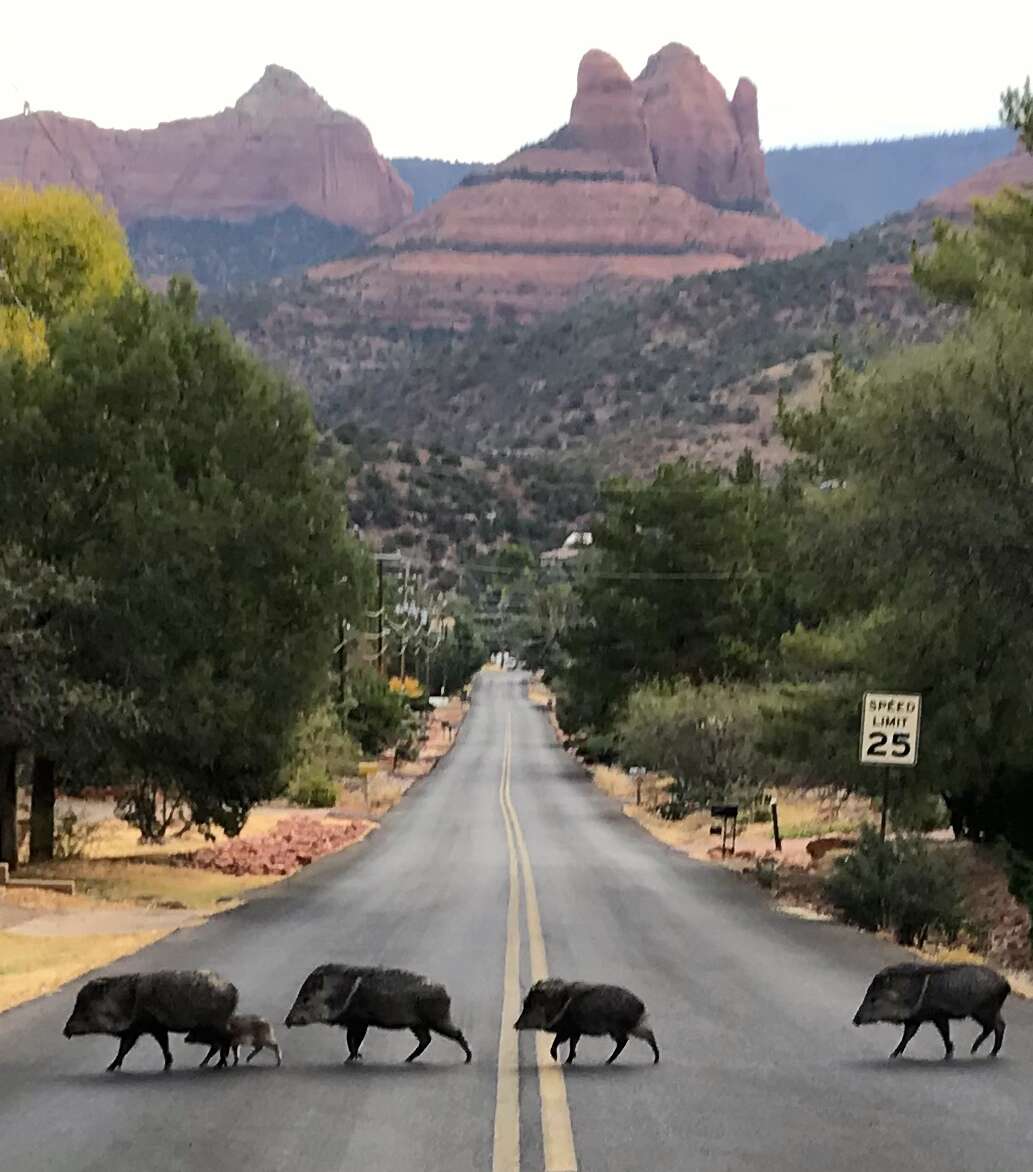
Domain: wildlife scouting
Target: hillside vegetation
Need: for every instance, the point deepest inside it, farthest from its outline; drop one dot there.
(685, 358)
(840, 188)
(221, 255)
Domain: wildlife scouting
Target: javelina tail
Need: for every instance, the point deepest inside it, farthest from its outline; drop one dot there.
(644, 1031)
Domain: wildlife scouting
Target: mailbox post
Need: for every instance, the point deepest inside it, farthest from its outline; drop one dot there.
(729, 816)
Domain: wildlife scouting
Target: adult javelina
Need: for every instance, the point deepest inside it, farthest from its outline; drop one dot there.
(244, 1030)
(914, 993)
(389, 999)
(151, 1003)
(569, 1009)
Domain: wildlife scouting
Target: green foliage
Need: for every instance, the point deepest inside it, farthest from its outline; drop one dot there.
(312, 786)
(904, 886)
(678, 583)
(1017, 112)
(48, 699)
(220, 254)
(155, 458)
(376, 717)
(703, 736)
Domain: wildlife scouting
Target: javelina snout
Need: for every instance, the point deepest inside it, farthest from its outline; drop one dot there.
(569, 1009)
(356, 998)
(910, 994)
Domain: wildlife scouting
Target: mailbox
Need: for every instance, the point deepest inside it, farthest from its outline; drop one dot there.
(729, 816)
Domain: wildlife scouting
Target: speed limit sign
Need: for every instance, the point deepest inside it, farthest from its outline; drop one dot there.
(889, 728)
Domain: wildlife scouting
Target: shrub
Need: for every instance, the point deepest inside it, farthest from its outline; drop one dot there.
(902, 886)
(703, 736)
(72, 836)
(312, 787)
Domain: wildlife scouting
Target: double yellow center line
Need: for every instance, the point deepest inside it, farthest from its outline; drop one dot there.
(557, 1135)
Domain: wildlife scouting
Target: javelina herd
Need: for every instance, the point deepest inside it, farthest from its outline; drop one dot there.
(202, 1006)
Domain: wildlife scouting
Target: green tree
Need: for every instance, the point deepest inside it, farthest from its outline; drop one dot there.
(682, 581)
(156, 458)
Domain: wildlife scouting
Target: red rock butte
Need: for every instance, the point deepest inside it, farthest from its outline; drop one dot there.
(648, 180)
(280, 145)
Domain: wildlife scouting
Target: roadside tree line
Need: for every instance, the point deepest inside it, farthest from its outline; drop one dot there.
(175, 558)
(724, 628)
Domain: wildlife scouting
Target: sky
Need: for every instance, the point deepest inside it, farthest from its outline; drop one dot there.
(475, 79)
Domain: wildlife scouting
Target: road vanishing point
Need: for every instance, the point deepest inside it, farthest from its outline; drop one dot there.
(504, 866)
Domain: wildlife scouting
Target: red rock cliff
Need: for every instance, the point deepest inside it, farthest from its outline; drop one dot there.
(700, 141)
(281, 144)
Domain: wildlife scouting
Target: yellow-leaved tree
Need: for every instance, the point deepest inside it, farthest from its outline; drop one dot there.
(61, 250)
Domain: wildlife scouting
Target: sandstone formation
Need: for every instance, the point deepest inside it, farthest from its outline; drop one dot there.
(700, 141)
(606, 116)
(280, 145)
(586, 209)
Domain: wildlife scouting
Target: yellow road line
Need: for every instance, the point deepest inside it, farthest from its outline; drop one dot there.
(557, 1133)
(506, 1151)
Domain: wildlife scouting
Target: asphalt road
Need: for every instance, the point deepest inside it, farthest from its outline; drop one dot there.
(761, 1067)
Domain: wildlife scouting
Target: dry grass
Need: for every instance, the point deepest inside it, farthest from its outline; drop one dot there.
(33, 965)
(150, 883)
(115, 839)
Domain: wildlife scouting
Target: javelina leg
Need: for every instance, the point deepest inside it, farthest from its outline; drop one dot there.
(162, 1038)
(944, 1026)
(276, 1051)
(910, 1029)
(236, 1054)
(211, 1054)
(457, 1036)
(126, 1042)
(646, 1035)
(574, 1039)
(988, 1029)
(423, 1037)
(622, 1041)
(998, 1036)
(355, 1035)
(554, 1049)
(255, 1051)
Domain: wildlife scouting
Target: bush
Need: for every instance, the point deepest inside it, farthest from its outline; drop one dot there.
(377, 717)
(312, 787)
(703, 736)
(902, 886)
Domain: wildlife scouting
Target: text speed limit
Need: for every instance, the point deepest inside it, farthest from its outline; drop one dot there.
(889, 728)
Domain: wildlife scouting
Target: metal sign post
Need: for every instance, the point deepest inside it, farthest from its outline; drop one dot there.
(890, 723)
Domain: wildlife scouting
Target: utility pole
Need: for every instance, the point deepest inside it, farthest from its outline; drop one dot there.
(340, 660)
(380, 615)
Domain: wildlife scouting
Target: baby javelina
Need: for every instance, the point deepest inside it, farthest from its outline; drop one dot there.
(241, 1030)
(158, 1004)
(569, 1009)
(356, 998)
(911, 994)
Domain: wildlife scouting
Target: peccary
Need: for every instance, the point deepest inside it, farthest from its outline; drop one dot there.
(913, 993)
(151, 1003)
(390, 999)
(569, 1009)
(245, 1030)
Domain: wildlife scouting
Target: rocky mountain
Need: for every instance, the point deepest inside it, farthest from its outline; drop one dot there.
(840, 188)
(280, 146)
(693, 366)
(833, 189)
(586, 209)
